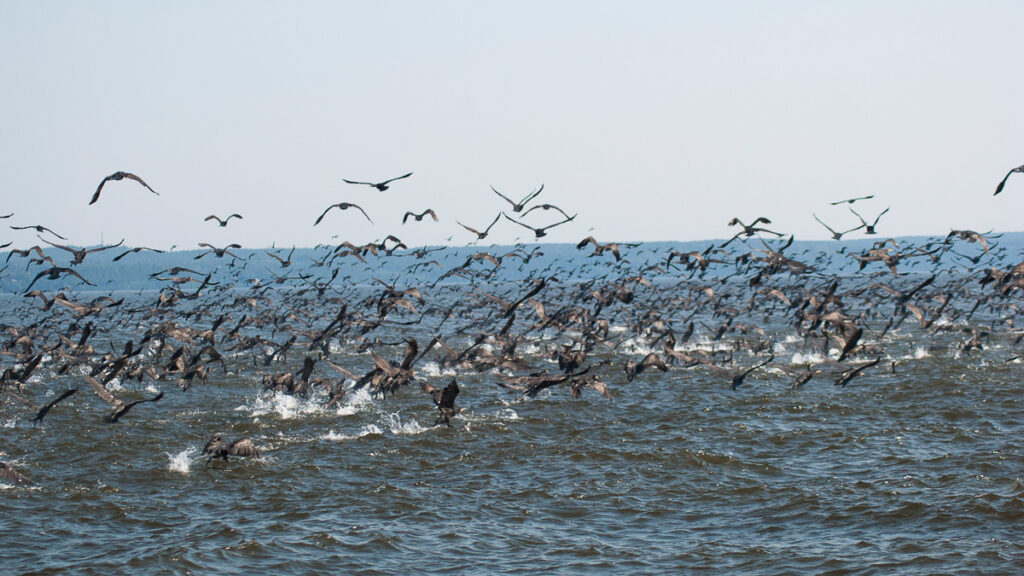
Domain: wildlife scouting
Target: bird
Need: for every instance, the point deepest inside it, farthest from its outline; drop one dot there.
(382, 186)
(45, 408)
(419, 217)
(738, 377)
(633, 368)
(217, 448)
(134, 250)
(845, 377)
(599, 248)
(118, 407)
(999, 187)
(10, 475)
(545, 207)
(444, 399)
(81, 253)
(539, 232)
(218, 252)
(481, 235)
(39, 229)
(852, 200)
(223, 222)
(869, 228)
(518, 206)
(836, 235)
(342, 206)
(55, 273)
(119, 176)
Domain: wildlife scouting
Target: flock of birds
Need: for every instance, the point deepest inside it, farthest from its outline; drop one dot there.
(481, 310)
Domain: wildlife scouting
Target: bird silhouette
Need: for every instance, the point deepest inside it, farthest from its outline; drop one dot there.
(419, 217)
(836, 235)
(518, 206)
(342, 206)
(382, 186)
(481, 235)
(223, 222)
(869, 228)
(119, 176)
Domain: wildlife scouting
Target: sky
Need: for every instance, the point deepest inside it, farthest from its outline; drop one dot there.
(651, 121)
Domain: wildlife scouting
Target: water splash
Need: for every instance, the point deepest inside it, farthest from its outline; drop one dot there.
(182, 461)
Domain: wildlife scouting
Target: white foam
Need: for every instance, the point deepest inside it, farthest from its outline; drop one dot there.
(921, 352)
(182, 461)
(396, 426)
(808, 358)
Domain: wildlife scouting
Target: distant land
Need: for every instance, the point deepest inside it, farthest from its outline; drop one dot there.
(565, 261)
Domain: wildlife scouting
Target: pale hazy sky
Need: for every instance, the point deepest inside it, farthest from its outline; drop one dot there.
(651, 120)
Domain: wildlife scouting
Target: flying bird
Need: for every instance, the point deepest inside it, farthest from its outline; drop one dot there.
(481, 235)
(55, 273)
(118, 407)
(540, 232)
(444, 399)
(382, 186)
(419, 217)
(342, 206)
(836, 235)
(869, 228)
(39, 229)
(81, 253)
(45, 408)
(852, 200)
(545, 207)
(1002, 183)
(518, 206)
(119, 176)
(223, 222)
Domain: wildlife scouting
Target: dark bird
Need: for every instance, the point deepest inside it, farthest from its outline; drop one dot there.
(599, 248)
(546, 207)
(481, 235)
(134, 250)
(738, 377)
(869, 228)
(518, 206)
(119, 407)
(55, 273)
(223, 222)
(419, 217)
(218, 252)
(444, 399)
(1002, 183)
(750, 229)
(45, 409)
(285, 262)
(382, 186)
(342, 206)
(852, 200)
(218, 448)
(80, 253)
(633, 368)
(836, 235)
(40, 229)
(845, 377)
(12, 476)
(539, 232)
(119, 176)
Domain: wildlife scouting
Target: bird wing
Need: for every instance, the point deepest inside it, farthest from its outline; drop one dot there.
(102, 392)
(397, 178)
(354, 182)
(507, 199)
(131, 176)
(244, 447)
(327, 210)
